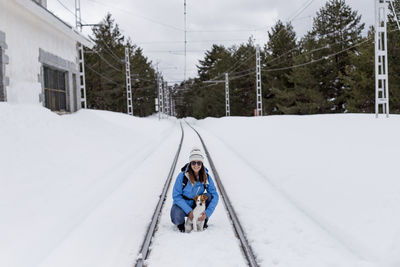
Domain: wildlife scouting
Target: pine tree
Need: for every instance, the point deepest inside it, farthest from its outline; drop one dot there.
(105, 79)
(337, 27)
(209, 99)
(360, 82)
(393, 59)
(280, 50)
(242, 79)
(144, 83)
(105, 73)
(214, 63)
(305, 97)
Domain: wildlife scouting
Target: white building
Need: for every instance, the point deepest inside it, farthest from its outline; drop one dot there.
(38, 56)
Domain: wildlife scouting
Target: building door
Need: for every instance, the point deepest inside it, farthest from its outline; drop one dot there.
(55, 89)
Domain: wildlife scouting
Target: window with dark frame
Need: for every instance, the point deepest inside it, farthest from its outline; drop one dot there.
(55, 89)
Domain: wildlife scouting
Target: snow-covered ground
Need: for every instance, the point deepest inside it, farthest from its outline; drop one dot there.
(79, 190)
(338, 173)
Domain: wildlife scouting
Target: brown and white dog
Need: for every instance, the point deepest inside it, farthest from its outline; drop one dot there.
(197, 211)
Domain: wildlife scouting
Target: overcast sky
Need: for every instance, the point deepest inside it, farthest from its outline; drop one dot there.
(158, 25)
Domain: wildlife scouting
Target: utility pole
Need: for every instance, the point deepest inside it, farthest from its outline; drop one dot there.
(381, 59)
(184, 7)
(166, 96)
(228, 111)
(78, 17)
(128, 82)
(258, 81)
(160, 97)
(173, 113)
(81, 57)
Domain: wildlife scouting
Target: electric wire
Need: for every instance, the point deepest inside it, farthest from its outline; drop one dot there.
(317, 60)
(194, 41)
(137, 15)
(395, 14)
(306, 63)
(64, 6)
(101, 75)
(235, 66)
(327, 46)
(108, 63)
(258, 29)
(296, 14)
(117, 59)
(110, 50)
(243, 71)
(101, 57)
(141, 79)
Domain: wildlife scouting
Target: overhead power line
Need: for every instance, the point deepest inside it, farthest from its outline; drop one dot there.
(293, 18)
(299, 65)
(64, 6)
(101, 75)
(110, 52)
(137, 15)
(133, 77)
(232, 30)
(117, 59)
(320, 59)
(301, 10)
(108, 63)
(235, 65)
(295, 15)
(327, 46)
(194, 41)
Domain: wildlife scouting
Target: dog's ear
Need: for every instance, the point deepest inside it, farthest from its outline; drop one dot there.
(205, 197)
(195, 198)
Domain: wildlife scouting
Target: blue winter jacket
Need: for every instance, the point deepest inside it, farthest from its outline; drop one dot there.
(191, 190)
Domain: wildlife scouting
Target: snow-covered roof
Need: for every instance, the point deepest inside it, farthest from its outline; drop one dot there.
(55, 21)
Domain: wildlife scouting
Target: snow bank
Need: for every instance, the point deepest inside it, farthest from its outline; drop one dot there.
(80, 189)
(72, 187)
(339, 171)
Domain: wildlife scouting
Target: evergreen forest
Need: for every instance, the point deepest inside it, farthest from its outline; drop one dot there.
(328, 70)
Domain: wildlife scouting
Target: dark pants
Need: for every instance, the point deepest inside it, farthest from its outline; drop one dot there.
(178, 215)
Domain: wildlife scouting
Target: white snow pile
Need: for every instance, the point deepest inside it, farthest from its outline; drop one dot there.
(80, 189)
(340, 173)
(311, 191)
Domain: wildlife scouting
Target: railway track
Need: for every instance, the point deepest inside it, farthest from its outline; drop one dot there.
(246, 248)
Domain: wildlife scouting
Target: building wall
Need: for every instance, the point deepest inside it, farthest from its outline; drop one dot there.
(29, 38)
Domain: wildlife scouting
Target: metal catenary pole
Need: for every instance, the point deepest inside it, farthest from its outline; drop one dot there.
(160, 97)
(166, 96)
(258, 81)
(184, 15)
(381, 59)
(228, 111)
(128, 83)
(173, 112)
(82, 78)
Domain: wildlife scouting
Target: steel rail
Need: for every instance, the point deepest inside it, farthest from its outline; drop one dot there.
(144, 251)
(247, 250)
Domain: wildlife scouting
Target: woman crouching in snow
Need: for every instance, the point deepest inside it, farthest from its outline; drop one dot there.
(193, 180)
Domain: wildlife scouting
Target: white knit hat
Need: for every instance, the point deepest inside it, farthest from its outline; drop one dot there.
(196, 155)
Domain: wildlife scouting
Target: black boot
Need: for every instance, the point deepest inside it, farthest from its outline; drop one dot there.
(205, 224)
(181, 227)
